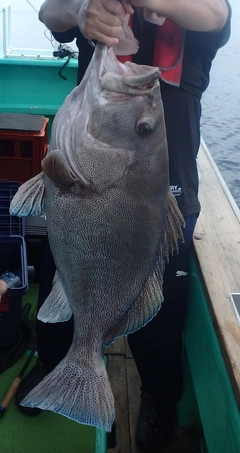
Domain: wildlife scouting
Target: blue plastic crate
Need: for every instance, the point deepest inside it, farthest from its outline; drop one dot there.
(13, 258)
(9, 225)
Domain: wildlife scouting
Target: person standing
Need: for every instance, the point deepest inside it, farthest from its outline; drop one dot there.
(182, 38)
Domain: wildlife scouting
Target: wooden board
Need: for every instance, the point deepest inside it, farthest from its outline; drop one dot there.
(118, 347)
(125, 383)
(117, 375)
(133, 386)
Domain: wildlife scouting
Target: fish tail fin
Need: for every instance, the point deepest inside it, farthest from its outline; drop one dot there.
(79, 391)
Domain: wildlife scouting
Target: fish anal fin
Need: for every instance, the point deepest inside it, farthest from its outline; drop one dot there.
(56, 307)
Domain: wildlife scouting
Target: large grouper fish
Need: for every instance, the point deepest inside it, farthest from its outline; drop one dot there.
(112, 223)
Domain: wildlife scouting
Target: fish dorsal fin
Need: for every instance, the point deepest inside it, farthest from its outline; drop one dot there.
(151, 297)
(29, 199)
(56, 307)
(173, 228)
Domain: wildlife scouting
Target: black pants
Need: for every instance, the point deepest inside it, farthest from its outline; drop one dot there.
(156, 348)
(53, 340)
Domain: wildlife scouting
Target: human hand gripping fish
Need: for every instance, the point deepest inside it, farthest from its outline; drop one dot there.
(112, 223)
(3, 288)
(99, 20)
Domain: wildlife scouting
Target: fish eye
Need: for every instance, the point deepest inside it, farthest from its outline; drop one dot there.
(144, 127)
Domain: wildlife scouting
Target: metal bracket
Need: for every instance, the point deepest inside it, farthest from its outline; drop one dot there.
(235, 299)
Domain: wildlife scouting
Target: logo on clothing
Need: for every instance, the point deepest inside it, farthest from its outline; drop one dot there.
(181, 274)
(177, 191)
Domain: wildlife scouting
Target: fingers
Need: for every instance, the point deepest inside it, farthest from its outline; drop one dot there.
(127, 6)
(3, 288)
(114, 7)
(103, 21)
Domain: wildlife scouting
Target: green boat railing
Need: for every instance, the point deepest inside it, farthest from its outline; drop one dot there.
(212, 332)
(34, 86)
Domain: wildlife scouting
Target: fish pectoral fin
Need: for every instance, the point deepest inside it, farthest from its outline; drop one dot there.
(77, 388)
(56, 167)
(29, 199)
(56, 307)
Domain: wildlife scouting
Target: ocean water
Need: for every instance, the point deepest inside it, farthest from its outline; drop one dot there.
(221, 108)
(220, 123)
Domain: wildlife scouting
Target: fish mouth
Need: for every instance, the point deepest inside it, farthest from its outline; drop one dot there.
(129, 77)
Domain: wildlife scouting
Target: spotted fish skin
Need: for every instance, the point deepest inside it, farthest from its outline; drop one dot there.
(112, 222)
